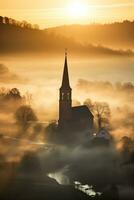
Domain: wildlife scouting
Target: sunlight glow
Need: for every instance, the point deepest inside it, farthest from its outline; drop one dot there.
(78, 9)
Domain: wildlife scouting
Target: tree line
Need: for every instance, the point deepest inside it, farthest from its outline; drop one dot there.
(24, 114)
(21, 24)
(14, 94)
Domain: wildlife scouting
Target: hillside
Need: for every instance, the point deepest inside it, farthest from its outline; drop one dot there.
(116, 35)
(18, 39)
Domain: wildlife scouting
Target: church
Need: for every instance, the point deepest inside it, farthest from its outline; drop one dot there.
(74, 119)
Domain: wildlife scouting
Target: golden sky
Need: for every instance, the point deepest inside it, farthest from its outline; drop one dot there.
(59, 12)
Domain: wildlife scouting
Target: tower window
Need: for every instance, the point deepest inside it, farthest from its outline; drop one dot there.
(68, 96)
(62, 96)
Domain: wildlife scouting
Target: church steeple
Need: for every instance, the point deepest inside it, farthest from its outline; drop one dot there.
(65, 101)
(65, 79)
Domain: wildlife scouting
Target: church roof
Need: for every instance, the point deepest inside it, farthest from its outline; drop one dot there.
(65, 79)
(79, 112)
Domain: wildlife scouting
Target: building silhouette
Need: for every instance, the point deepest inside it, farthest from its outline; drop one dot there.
(74, 119)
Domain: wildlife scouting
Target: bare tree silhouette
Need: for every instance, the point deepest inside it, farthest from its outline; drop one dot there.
(101, 111)
(24, 116)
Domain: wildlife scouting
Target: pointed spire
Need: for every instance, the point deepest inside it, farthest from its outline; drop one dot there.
(65, 80)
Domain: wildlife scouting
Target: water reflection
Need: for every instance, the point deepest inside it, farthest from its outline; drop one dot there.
(89, 190)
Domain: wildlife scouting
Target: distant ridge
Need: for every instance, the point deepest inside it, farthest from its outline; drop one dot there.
(21, 37)
(114, 35)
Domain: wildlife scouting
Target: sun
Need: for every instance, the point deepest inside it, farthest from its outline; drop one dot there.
(78, 9)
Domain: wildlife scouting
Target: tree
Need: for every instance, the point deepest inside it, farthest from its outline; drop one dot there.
(12, 21)
(1, 20)
(3, 91)
(13, 94)
(6, 20)
(24, 116)
(101, 111)
(25, 24)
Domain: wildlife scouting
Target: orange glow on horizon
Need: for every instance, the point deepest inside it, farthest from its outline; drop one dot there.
(57, 12)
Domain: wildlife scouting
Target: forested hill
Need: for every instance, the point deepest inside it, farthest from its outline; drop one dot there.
(115, 35)
(22, 37)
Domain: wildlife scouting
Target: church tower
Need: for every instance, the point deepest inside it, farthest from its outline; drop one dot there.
(65, 99)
